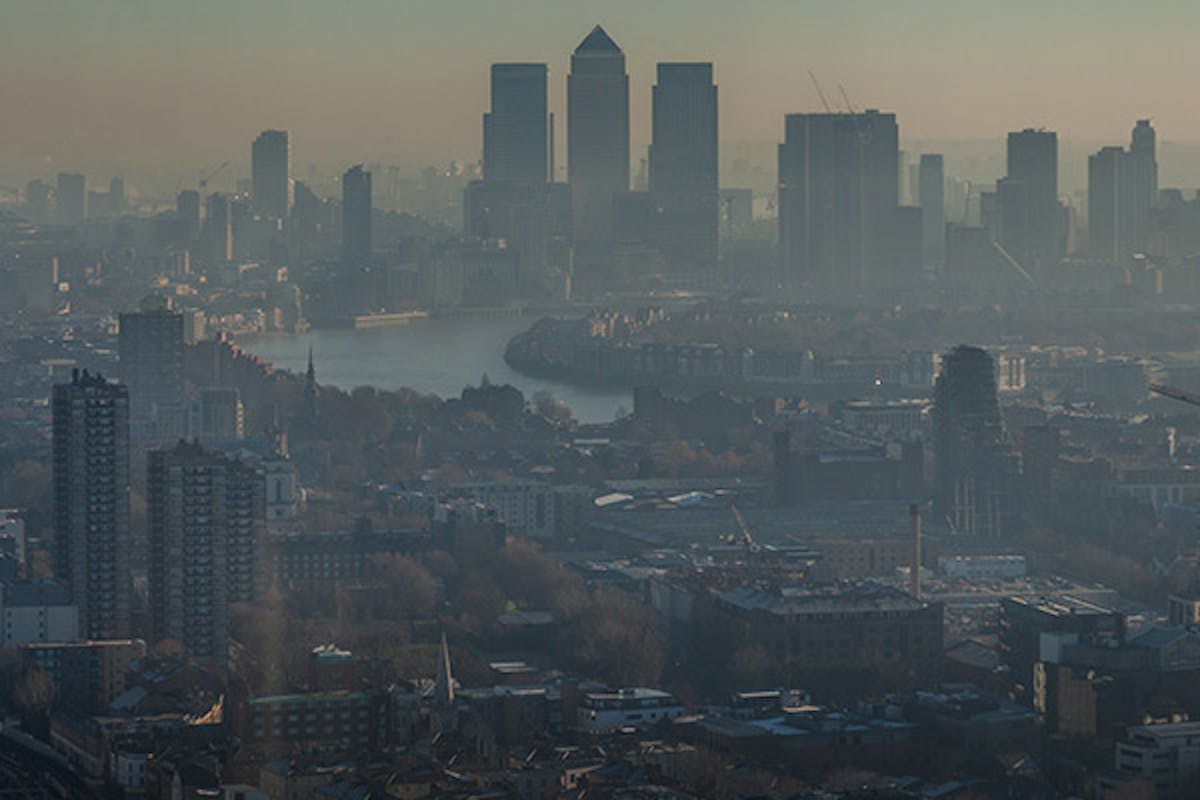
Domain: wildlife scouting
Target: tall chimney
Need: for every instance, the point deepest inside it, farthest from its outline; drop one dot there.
(914, 530)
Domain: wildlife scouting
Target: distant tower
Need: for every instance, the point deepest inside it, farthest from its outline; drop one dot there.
(150, 351)
(931, 194)
(1143, 182)
(356, 217)
(1110, 221)
(683, 165)
(218, 227)
(442, 717)
(516, 132)
(72, 198)
(1029, 197)
(270, 171)
(839, 189)
(92, 539)
(597, 136)
(310, 387)
(974, 469)
(116, 195)
(187, 208)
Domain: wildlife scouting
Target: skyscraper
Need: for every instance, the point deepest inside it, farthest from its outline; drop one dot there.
(356, 217)
(37, 200)
(931, 194)
(1122, 188)
(597, 136)
(974, 472)
(116, 195)
(218, 228)
(683, 165)
(187, 208)
(1032, 182)
(838, 199)
(207, 518)
(1144, 180)
(516, 132)
(270, 173)
(150, 350)
(72, 198)
(91, 501)
(1110, 233)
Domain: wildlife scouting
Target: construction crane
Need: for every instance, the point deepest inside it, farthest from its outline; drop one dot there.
(846, 99)
(1175, 394)
(747, 539)
(817, 85)
(210, 174)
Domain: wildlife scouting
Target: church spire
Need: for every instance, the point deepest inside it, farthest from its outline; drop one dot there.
(310, 386)
(443, 687)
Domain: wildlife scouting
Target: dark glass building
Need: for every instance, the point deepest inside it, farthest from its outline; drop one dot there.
(683, 165)
(356, 217)
(270, 172)
(516, 132)
(597, 136)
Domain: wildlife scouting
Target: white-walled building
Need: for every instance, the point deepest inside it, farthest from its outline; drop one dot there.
(600, 712)
(525, 506)
(998, 567)
(1167, 756)
(37, 611)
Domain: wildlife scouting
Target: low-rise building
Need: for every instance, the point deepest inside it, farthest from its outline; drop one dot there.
(341, 720)
(526, 506)
(87, 676)
(967, 567)
(1164, 756)
(601, 712)
(323, 558)
(868, 636)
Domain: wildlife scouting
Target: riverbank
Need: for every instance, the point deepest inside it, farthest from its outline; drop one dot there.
(433, 355)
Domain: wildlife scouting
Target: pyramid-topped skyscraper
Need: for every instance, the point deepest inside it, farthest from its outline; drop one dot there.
(597, 137)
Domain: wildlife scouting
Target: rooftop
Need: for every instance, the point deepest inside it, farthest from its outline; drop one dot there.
(860, 597)
(598, 41)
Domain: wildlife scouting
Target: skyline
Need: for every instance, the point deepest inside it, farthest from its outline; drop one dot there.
(221, 72)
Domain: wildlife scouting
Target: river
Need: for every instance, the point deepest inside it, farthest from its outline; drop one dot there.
(432, 356)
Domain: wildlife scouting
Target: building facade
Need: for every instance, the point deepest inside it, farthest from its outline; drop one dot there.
(91, 501)
(975, 468)
(207, 527)
(931, 194)
(356, 217)
(597, 136)
(270, 168)
(516, 132)
(1028, 197)
(838, 199)
(684, 167)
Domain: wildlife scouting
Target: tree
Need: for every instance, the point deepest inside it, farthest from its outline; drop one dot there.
(32, 696)
(547, 406)
(408, 590)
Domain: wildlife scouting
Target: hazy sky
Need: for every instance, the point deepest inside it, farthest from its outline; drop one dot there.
(194, 80)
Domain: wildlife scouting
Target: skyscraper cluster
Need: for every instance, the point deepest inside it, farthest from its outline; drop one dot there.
(595, 213)
(207, 522)
(207, 511)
